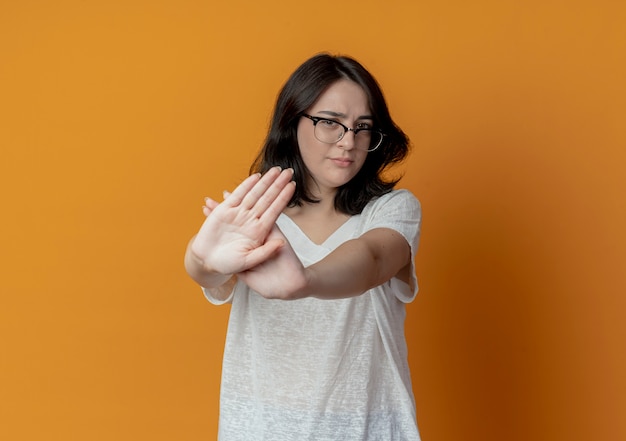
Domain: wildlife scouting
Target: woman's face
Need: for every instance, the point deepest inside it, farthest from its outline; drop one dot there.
(332, 165)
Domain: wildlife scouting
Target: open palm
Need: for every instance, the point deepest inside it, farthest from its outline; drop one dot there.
(234, 236)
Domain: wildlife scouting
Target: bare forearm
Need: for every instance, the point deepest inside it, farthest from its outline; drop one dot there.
(357, 266)
(349, 271)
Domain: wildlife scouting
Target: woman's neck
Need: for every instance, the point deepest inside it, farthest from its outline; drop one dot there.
(318, 220)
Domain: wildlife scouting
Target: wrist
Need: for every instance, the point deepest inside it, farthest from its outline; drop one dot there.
(202, 272)
(310, 285)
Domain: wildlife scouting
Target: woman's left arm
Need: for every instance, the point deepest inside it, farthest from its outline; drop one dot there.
(359, 264)
(351, 269)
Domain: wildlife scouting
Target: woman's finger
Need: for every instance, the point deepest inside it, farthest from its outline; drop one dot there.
(264, 252)
(234, 199)
(278, 204)
(273, 191)
(209, 206)
(259, 188)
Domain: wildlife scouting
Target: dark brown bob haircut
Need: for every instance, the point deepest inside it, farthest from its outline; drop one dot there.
(299, 93)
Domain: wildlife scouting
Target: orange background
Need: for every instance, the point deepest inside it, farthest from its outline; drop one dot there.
(118, 117)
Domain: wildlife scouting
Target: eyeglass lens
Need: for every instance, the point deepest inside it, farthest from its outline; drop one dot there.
(329, 132)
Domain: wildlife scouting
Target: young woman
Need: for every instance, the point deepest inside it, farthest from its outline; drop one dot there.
(315, 252)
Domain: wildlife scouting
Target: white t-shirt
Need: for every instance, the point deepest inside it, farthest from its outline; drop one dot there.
(315, 369)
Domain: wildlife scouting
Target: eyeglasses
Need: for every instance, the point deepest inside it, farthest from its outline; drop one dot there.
(330, 131)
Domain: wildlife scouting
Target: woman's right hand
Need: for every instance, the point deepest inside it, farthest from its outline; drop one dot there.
(234, 236)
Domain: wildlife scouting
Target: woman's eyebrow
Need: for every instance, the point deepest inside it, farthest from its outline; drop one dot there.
(343, 115)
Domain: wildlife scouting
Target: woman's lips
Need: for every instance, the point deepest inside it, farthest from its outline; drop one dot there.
(342, 162)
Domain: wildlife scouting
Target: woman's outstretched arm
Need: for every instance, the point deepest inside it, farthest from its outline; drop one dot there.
(353, 268)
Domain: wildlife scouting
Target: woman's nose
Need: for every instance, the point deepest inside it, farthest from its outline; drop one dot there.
(347, 141)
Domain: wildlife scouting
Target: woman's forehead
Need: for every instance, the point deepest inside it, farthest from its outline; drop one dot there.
(343, 98)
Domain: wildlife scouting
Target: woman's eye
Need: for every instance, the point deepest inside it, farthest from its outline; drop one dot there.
(363, 126)
(328, 123)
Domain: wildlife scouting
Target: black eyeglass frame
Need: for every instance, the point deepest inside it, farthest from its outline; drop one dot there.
(317, 119)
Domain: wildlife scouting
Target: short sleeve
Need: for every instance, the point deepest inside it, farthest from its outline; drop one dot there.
(400, 211)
